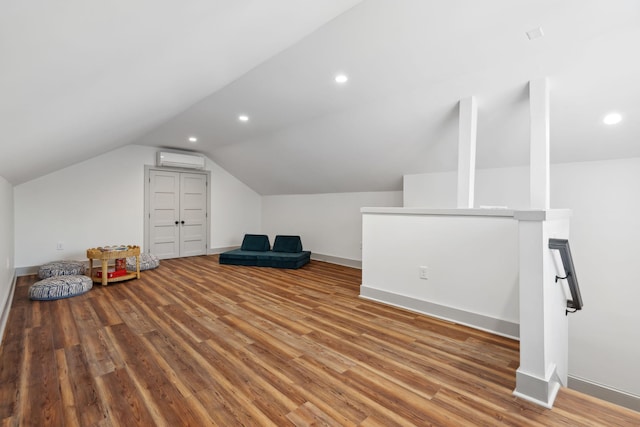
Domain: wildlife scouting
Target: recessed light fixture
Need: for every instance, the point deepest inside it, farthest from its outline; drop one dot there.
(341, 78)
(536, 33)
(193, 139)
(612, 118)
(243, 118)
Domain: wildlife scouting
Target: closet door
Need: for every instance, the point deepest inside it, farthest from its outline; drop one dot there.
(193, 214)
(177, 213)
(164, 213)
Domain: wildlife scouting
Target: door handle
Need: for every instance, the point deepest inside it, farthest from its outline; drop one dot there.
(182, 222)
(176, 222)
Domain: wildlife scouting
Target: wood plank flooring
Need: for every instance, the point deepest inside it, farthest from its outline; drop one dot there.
(195, 343)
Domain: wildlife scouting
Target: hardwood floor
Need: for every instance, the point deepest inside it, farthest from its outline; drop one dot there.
(197, 343)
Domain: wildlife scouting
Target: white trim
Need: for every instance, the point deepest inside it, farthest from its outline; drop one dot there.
(7, 307)
(27, 271)
(447, 212)
(603, 392)
(548, 215)
(215, 251)
(520, 215)
(539, 390)
(354, 263)
(500, 327)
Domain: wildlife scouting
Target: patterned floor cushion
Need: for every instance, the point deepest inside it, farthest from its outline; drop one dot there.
(147, 262)
(61, 268)
(58, 287)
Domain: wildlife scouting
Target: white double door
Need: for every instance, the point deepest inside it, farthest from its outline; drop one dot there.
(177, 213)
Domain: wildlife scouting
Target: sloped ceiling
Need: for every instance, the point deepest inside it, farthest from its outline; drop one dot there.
(79, 78)
(82, 81)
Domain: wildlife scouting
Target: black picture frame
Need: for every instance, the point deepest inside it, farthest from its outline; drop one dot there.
(562, 245)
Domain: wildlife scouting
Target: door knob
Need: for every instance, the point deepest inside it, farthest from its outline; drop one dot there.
(182, 222)
(176, 222)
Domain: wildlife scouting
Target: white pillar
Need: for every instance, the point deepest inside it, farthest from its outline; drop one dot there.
(543, 322)
(539, 144)
(467, 130)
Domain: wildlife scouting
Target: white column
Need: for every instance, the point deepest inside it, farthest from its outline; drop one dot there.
(543, 322)
(467, 130)
(539, 144)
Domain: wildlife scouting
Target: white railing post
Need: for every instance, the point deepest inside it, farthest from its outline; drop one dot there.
(467, 129)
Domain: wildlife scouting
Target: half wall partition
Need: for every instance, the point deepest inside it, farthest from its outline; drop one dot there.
(490, 269)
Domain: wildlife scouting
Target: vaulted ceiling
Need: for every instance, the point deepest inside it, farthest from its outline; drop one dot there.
(82, 78)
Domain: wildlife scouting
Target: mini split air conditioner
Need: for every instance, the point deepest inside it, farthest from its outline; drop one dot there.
(178, 160)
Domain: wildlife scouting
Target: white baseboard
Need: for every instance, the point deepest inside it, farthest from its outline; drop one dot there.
(27, 271)
(536, 389)
(478, 321)
(609, 394)
(337, 260)
(214, 251)
(6, 307)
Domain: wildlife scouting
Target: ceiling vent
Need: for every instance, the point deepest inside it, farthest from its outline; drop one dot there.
(178, 160)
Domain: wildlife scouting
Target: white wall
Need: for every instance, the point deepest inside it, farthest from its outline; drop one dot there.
(235, 209)
(6, 244)
(494, 187)
(430, 190)
(605, 241)
(101, 202)
(329, 224)
(472, 265)
(604, 342)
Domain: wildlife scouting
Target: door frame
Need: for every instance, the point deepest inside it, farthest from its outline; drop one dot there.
(147, 209)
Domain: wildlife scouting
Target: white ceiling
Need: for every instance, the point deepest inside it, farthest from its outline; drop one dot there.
(90, 77)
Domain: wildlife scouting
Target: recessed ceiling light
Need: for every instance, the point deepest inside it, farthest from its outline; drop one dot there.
(193, 139)
(341, 78)
(536, 33)
(243, 118)
(612, 118)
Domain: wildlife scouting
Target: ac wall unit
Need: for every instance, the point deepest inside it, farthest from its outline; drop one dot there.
(178, 160)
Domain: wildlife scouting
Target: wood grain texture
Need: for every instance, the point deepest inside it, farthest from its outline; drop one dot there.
(195, 343)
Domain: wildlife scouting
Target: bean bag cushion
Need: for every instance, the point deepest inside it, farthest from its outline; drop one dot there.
(147, 262)
(61, 268)
(57, 287)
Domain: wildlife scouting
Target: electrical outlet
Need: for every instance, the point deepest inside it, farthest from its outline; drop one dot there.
(424, 272)
(60, 246)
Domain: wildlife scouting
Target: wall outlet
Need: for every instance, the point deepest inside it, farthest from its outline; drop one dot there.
(60, 246)
(423, 272)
